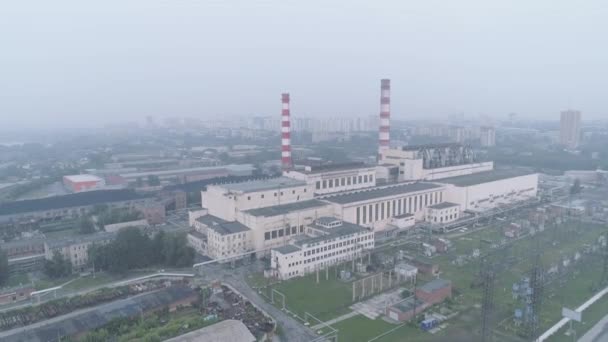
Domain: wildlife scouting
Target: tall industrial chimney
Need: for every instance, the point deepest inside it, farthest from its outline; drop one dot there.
(385, 117)
(286, 163)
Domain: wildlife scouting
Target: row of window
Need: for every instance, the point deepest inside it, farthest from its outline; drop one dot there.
(283, 232)
(218, 237)
(293, 192)
(338, 245)
(343, 181)
(338, 252)
(446, 218)
(406, 205)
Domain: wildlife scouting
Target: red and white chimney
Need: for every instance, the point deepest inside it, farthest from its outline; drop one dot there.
(286, 163)
(385, 117)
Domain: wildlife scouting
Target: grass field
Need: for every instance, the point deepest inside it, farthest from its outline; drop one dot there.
(326, 300)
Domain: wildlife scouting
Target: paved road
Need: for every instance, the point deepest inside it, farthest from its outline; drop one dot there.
(292, 329)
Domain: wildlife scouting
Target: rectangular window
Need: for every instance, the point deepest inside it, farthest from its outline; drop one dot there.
(365, 179)
(441, 197)
(343, 181)
(376, 213)
(274, 234)
(280, 232)
(360, 179)
(370, 217)
(415, 204)
(301, 229)
(394, 208)
(382, 211)
(358, 215)
(400, 206)
(420, 202)
(318, 185)
(371, 178)
(426, 199)
(364, 214)
(287, 231)
(348, 180)
(331, 183)
(294, 230)
(267, 236)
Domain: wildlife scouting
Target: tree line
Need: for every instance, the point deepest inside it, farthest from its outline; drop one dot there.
(132, 249)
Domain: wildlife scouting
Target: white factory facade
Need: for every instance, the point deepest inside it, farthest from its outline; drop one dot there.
(304, 225)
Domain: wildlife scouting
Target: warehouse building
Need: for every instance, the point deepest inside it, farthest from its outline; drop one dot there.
(490, 189)
(78, 183)
(68, 206)
(75, 249)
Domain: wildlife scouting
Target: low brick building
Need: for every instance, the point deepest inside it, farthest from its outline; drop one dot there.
(435, 291)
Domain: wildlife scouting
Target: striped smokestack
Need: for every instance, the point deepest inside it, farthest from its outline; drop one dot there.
(286, 163)
(385, 117)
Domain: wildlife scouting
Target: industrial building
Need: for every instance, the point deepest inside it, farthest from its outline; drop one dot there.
(336, 177)
(68, 206)
(76, 249)
(491, 189)
(328, 241)
(435, 183)
(430, 162)
(79, 183)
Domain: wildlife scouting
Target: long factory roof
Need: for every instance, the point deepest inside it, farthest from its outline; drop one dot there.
(374, 193)
(286, 208)
(264, 184)
(485, 177)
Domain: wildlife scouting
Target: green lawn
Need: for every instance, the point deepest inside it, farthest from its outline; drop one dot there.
(326, 300)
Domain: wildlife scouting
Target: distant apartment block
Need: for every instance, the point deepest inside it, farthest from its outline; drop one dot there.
(79, 183)
(570, 128)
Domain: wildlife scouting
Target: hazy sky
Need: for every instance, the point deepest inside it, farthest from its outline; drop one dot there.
(90, 62)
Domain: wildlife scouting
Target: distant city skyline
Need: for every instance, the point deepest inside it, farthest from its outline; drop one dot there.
(76, 64)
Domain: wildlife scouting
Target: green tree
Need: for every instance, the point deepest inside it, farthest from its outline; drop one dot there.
(58, 266)
(3, 267)
(86, 226)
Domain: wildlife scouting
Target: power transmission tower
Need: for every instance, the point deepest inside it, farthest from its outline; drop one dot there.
(604, 278)
(537, 284)
(487, 306)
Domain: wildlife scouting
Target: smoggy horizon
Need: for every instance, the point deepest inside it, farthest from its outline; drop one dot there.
(73, 64)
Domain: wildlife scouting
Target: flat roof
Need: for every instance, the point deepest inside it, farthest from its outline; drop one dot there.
(435, 284)
(264, 184)
(443, 205)
(485, 177)
(83, 178)
(80, 199)
(287, 249)
(376, 192)
(286, 208)
(228, 330)
(221, 226)
(408, 304)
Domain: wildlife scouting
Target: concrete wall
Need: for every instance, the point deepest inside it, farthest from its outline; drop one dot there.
(488, 195)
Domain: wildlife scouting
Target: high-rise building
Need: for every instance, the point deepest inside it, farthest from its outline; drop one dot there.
(487, 136)
(570, 128)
